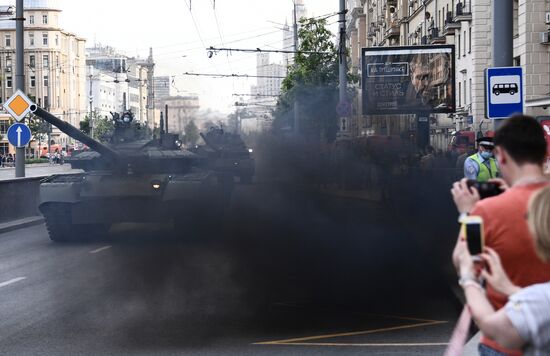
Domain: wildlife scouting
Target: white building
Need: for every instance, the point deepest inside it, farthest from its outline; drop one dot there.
(119, 83)
(162, 86)
(288, 31)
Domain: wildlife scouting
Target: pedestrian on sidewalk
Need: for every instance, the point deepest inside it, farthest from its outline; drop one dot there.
(520, 149)
(524, 321)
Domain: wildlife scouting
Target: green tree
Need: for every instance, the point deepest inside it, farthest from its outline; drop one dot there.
(191, 133)
(103, 127)
(313, 81)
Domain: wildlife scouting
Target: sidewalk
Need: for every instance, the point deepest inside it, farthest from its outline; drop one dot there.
(20, 223)
(37, 170)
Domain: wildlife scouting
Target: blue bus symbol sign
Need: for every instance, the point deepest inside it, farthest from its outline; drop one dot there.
(504, 92)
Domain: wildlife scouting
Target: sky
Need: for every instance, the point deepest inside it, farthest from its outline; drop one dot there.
(179, 35)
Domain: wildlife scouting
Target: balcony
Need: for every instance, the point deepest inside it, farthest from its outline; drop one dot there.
(463, 11)
(434, 37)
(393, 31)
(450, 25)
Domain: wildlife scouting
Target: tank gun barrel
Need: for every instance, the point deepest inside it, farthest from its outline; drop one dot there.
(74, 132)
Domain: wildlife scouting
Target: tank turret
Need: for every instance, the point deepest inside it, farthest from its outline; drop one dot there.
(227, 153)
(128, 151)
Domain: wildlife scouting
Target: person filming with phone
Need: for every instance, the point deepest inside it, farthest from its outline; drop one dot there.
(524, 322)
(520, 149)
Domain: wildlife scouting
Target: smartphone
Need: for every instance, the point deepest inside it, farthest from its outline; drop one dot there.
(473, 231)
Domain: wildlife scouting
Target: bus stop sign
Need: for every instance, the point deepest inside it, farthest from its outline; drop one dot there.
(503, 92)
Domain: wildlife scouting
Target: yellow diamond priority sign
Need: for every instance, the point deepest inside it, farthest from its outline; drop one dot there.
(18, 105)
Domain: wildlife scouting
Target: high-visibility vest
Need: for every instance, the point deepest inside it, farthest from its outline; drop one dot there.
(484, 173)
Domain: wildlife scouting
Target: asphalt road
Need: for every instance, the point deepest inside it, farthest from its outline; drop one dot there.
(264, 287)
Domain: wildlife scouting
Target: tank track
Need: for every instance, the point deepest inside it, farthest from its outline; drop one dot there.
(61, 229)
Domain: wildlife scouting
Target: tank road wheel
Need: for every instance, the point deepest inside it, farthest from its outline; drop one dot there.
(61, 228)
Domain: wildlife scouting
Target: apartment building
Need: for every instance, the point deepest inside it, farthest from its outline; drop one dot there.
(467, 25)
(55, 71)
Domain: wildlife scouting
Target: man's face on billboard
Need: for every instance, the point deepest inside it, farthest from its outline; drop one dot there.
(420, 78)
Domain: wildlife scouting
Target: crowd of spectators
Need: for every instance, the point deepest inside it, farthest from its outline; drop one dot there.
(7, 160)
(508, 290)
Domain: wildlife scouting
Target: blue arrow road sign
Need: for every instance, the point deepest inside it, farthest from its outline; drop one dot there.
(19, 135)
(504, 92)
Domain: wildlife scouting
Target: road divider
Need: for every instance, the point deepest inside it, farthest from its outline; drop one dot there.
(19, 198)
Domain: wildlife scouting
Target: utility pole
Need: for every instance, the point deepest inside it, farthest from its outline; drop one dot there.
(296, 99)
(19, 77)
(343, 124)
(166, 117)
(91, 121)
(503, 40)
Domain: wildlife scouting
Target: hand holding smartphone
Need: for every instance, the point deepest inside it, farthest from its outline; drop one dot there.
(472, 229)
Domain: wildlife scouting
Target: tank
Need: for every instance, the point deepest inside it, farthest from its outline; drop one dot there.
(227, 153)
(130, 180)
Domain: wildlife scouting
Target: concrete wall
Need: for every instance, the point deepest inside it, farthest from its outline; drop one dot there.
(19, 198)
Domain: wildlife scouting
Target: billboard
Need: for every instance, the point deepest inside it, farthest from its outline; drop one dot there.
(408, 80)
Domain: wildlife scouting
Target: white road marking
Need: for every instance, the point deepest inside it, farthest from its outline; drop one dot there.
(101, 249)
(12, 281)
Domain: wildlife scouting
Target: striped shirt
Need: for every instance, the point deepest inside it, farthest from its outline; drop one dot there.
(529, 312)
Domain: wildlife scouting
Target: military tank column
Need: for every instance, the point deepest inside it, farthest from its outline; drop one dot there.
(131, 179)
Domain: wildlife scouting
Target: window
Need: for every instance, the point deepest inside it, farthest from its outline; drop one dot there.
(45, 61)
(45, 39)
(32, 81)
(470, 92)
(464, 84)
(517, 61)
(32, 61)
(458, 42)
(31, 39)
(7, 40)
(470, 40)
(31, 19)
(45, 80)
(44, 19)
(9, 82)
(4, 125)
(57, 40)
(464, 47)
(459, 94)
(4, 147)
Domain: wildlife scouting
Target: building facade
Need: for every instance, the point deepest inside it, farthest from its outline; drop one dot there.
(55, 71)
(162, 86)
(467, 25)
(181, 110)
(117, 83)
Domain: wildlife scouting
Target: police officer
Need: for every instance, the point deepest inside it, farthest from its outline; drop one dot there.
(481, 166)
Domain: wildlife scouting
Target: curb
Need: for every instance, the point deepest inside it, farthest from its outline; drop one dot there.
(20, 224)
